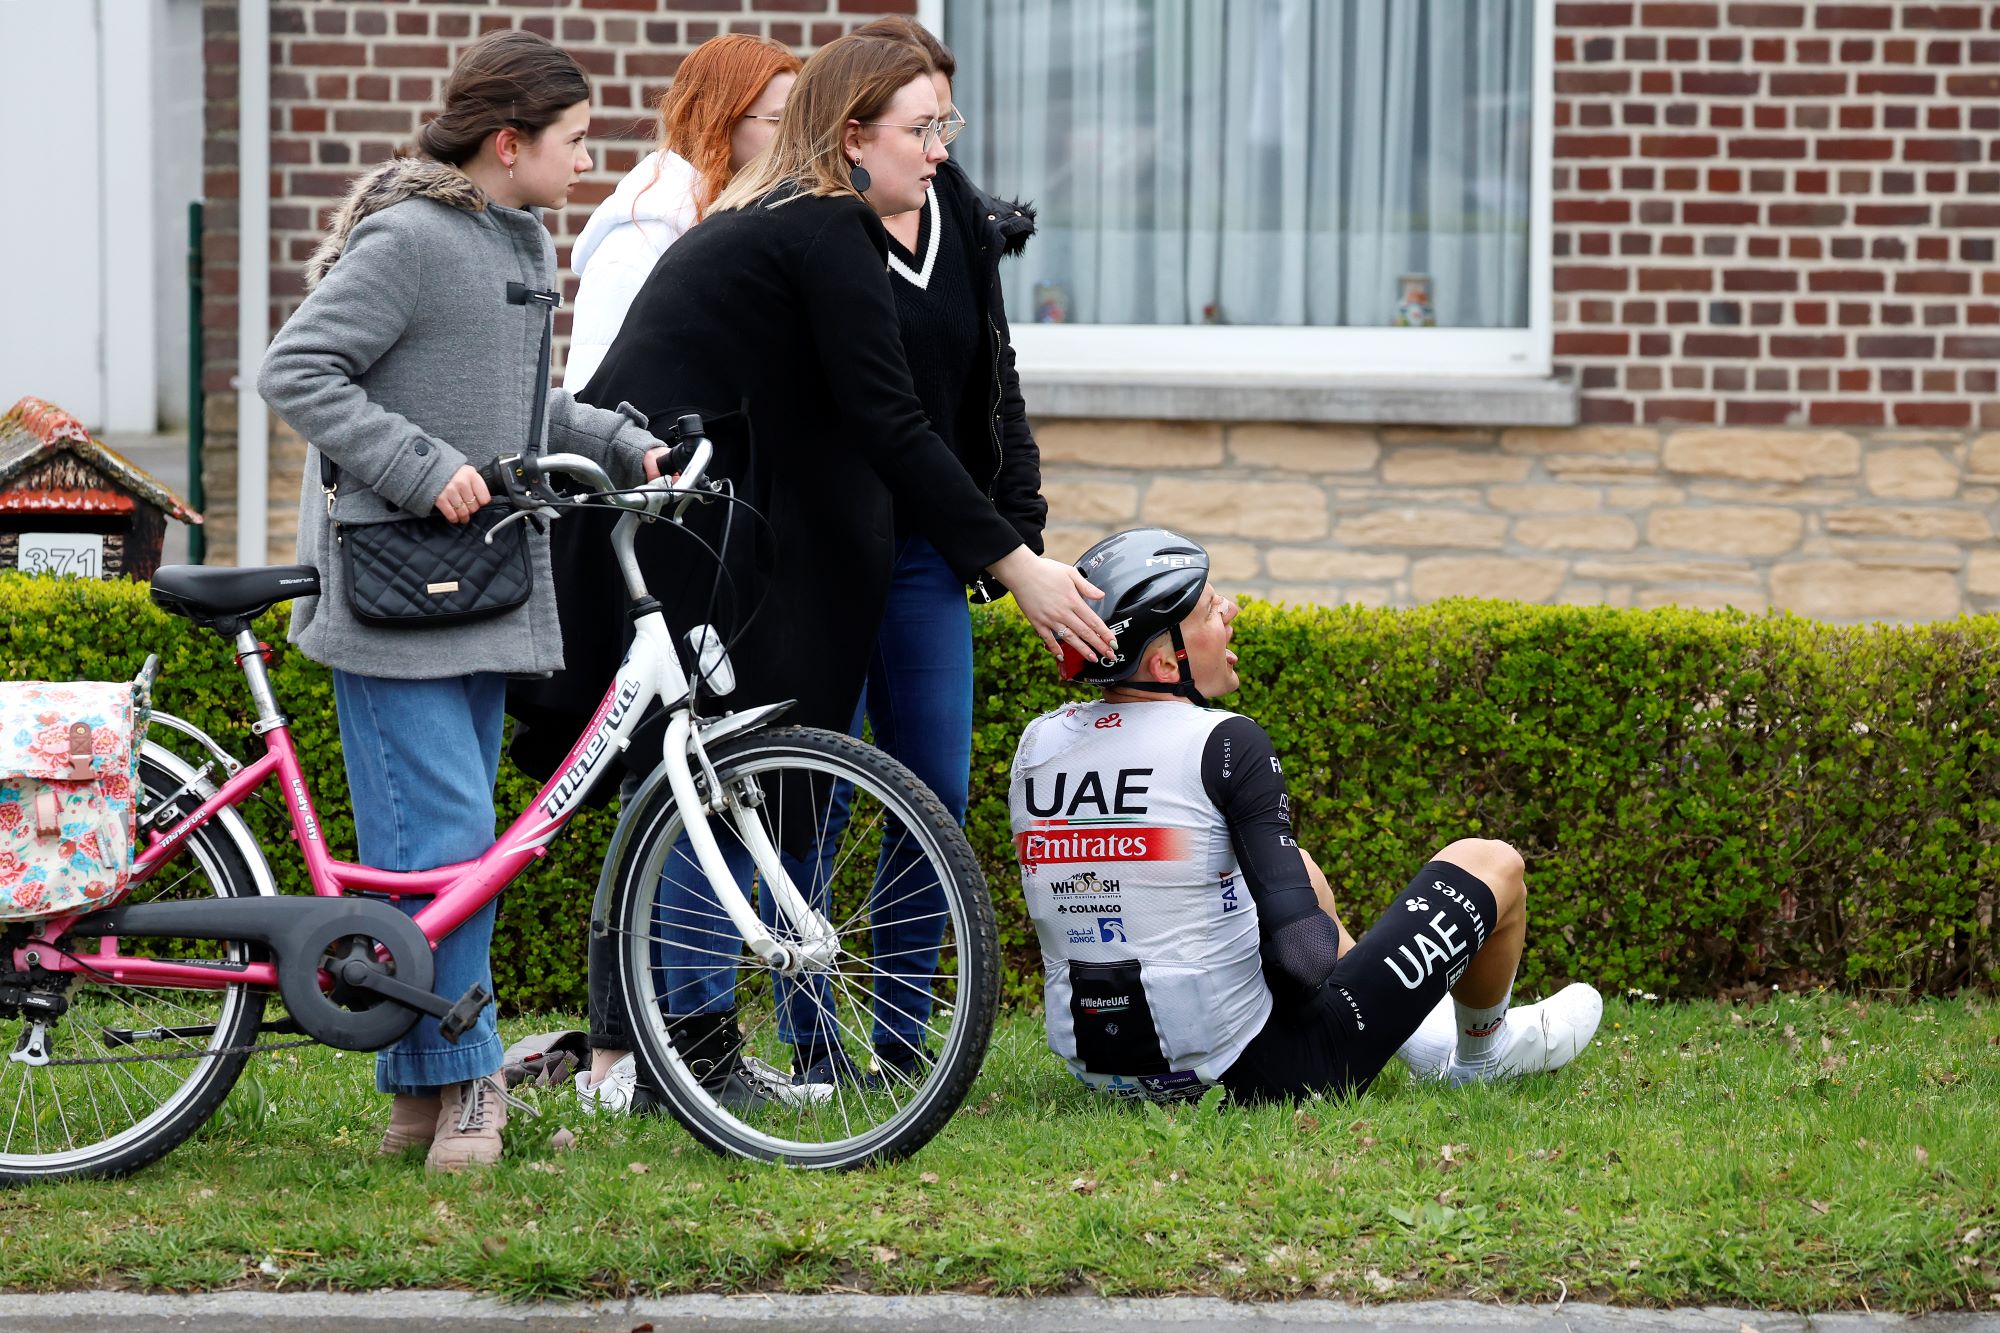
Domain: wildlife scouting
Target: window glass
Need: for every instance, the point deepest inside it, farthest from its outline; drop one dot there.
(1330, 163)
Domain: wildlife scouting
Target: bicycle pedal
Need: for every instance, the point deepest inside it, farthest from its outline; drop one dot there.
(465, 1013)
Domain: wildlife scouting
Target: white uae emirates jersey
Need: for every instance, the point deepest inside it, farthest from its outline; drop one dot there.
(1152, 975)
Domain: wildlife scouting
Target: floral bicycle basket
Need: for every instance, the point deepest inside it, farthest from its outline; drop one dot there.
(69, 759)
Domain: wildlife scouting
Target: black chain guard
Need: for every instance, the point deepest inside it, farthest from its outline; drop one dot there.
(301, 933)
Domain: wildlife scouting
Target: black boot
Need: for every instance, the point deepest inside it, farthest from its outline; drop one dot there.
(709, 1044)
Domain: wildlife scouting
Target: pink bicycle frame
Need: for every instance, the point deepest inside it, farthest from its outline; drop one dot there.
(651, 670)
(457, 891)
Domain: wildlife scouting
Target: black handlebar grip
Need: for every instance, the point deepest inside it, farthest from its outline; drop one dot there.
(688, 426)
(676, 459)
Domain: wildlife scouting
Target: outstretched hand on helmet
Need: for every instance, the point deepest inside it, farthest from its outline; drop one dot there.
(1053, 596)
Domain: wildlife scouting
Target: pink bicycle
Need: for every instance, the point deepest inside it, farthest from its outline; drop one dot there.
(829, 885)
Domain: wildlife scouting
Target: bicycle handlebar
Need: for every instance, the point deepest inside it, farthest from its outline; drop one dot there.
(518, 479)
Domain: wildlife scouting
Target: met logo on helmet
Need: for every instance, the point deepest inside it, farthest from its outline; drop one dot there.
(1175, 561)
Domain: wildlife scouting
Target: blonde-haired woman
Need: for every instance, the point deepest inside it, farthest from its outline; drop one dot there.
(779, 304)
(721, 112)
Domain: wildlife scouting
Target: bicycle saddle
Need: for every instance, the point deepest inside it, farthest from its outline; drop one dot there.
(227, 598)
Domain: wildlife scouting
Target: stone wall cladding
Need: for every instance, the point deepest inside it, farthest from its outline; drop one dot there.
(1779, 214)
(1837, 524)
(350, 81)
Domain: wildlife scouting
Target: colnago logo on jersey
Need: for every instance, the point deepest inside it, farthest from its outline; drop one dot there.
(1054, 842)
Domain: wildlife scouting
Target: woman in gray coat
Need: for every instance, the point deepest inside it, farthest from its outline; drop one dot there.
(407, 367)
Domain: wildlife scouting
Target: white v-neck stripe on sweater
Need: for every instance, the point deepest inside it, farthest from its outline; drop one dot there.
(922, 280)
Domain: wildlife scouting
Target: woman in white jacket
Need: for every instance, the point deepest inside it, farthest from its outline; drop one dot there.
(721, 111)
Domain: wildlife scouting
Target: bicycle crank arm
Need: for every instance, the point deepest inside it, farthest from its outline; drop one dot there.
(455, 1017)
(303, 934)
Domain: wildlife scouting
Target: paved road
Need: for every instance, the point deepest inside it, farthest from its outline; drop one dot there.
(422, 1312)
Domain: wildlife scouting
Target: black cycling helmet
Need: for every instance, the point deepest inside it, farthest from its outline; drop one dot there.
(1152, 579)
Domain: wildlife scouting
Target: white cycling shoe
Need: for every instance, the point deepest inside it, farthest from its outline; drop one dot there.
(1537, 1038)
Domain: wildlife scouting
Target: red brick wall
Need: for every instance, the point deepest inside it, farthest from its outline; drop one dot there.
(1766, 214)
(1771, 214)
(350, 81)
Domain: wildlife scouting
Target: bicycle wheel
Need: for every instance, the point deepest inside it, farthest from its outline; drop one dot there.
(131, 1071)
(860, 1060)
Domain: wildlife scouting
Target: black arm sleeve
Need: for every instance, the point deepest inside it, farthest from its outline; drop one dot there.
(1241, 774)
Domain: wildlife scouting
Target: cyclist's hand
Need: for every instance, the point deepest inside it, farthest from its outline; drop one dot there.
(653, 457)
(1052, 596)
(463, 495)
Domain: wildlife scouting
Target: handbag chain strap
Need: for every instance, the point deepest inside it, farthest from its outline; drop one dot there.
(518, 293)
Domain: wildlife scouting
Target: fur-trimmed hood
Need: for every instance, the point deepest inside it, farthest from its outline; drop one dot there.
(391, 183)
(1015, 220)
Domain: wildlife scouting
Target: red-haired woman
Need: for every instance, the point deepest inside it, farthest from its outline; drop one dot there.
(721, 111)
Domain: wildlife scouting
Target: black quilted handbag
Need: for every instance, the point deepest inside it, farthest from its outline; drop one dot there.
(414, 573)
(427, 571)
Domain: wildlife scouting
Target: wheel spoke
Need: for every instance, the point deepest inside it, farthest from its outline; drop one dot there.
(891, 872)
(99, 1108)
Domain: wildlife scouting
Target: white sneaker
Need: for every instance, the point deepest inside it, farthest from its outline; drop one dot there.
(1431, 1045)
(774, 1084)
(1537, 1038)
(612, 1094)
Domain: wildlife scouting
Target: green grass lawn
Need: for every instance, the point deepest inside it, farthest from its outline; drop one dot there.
(1807, 1153)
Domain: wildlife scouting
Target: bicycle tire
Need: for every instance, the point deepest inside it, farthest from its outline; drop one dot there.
(921, 1097)
(183, 1103)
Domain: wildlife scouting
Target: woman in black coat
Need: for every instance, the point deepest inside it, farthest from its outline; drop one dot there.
(778, 307)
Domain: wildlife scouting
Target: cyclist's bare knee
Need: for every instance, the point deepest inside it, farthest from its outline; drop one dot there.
(1498, 866)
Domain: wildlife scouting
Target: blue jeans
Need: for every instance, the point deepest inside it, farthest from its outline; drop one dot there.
(422, 757)
(918, 700)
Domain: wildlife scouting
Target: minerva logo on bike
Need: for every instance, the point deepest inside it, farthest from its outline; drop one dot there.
(583, 759)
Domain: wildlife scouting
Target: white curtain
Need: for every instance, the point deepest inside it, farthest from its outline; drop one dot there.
(1255, 161)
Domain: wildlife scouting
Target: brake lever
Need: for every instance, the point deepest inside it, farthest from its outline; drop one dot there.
(525, 490)
(687, 498)
(535, 511)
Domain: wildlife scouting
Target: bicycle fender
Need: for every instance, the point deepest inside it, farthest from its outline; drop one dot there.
(227, 820)
(711, 733)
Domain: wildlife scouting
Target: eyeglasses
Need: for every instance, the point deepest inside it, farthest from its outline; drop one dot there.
(773, 119)
(933, 131)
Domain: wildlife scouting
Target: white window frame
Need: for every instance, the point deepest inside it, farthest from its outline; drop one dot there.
(1283, 356)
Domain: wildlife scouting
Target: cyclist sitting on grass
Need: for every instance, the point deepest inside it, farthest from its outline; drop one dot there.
(1186, 938)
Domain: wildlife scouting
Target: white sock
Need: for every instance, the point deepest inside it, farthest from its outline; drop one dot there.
(1479, 1029)
(1431, 1044)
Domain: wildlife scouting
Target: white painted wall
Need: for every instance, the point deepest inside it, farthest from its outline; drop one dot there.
(52, 236)
(126, 31)
(177, 168)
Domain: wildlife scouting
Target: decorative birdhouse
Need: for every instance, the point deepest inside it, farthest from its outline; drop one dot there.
(69, 505)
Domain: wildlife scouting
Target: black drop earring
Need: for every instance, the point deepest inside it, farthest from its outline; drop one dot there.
(861, 179)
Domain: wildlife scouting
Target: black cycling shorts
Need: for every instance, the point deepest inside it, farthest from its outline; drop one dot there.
(1376, 996)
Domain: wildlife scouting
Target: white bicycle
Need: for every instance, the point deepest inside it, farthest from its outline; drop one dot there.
(804, 884)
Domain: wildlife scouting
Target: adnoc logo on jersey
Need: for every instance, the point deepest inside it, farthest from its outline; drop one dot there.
(1058, 842)
(1111, 930)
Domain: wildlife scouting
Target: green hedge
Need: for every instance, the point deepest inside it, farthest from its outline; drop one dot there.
(1705, 801)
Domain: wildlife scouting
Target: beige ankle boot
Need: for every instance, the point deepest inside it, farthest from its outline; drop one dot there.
(469, 1123)
(413, 1122)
